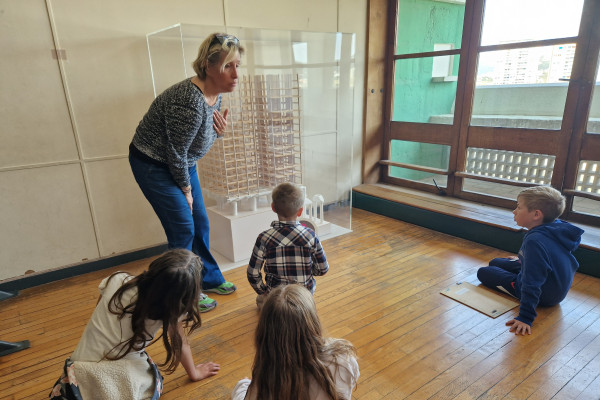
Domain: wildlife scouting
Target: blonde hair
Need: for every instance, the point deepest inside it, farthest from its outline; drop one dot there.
(290, 348)
(544, 198)
(288, 199)
(210, 52)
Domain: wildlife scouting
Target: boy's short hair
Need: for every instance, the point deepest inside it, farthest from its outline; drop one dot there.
(544, 198)
(287, 199)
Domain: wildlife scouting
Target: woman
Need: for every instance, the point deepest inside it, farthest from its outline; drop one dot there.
(179, 128)
(293, 360)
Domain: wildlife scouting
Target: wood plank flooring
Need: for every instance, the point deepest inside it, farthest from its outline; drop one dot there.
(382, 294)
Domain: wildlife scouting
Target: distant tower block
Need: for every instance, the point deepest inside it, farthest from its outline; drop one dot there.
(262, 144)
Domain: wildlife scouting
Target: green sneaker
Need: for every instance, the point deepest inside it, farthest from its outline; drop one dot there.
(205, 303)
(223, 288)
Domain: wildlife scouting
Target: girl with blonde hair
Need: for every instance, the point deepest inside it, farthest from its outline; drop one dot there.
(293, 360)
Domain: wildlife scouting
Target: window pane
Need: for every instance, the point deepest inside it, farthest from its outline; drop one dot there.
(523, 88)
(421, 154)
(594, 118)
(423, 23)
(586, 206)
(588, 177)
(588, 180)
(427, 178)
(492, 189)
(516, 166)
(510, 21)
(422, 92)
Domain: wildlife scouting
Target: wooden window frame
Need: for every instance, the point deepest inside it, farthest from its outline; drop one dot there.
(569, 145)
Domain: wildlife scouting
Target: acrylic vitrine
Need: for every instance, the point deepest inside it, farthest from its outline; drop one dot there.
(290, 120)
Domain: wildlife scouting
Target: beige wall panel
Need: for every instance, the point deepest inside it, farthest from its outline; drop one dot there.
(124, 218)
(107, 67)
(353, 19)
(44, 211)
(36, 127)
(307, 15)
(45, 220)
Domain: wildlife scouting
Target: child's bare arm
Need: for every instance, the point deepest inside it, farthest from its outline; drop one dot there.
(195, 372)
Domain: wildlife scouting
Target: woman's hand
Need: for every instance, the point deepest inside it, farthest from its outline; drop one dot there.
(220, 122)
(190, 200)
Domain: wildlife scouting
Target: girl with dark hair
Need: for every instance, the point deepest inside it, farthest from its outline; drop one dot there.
(293, 360)
(110, 359)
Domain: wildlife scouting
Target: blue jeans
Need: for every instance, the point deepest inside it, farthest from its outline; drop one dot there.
(184, 230)
(501, 272)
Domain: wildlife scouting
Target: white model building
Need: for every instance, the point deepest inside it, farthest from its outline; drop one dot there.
(261, 147)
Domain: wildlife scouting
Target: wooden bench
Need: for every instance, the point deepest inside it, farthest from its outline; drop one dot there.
(481, 223)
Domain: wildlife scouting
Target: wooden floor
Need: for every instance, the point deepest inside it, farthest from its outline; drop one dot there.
(382, 294)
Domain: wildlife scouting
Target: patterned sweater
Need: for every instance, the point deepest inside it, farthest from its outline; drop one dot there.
(178, 129)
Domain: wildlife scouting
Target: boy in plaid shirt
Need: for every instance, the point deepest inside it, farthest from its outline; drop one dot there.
(289, 251)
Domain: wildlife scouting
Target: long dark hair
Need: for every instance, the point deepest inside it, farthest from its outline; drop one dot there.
(290, 348)
(168, 290)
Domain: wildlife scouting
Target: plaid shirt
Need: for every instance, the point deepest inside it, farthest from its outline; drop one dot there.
(291, 253)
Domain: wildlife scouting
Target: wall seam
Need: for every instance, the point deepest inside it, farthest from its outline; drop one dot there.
(81, 161)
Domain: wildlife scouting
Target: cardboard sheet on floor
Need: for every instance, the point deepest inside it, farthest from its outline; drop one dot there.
(480, 298)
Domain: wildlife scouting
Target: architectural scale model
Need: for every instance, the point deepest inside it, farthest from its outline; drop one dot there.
(313, 215)
(261, 146)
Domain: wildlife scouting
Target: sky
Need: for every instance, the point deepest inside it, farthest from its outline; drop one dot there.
(518, 20)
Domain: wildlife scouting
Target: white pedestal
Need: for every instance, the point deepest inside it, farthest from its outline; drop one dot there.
(321, 228)
(234, 235)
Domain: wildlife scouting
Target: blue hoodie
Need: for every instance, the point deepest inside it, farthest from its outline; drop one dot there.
(547, 266)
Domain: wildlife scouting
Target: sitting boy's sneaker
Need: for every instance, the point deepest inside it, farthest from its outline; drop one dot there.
(206, 303)
(223, 288)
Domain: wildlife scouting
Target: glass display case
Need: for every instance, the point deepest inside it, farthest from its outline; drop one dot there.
(290, 119)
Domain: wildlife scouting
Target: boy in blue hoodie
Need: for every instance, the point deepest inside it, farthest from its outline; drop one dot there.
(543, 272)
